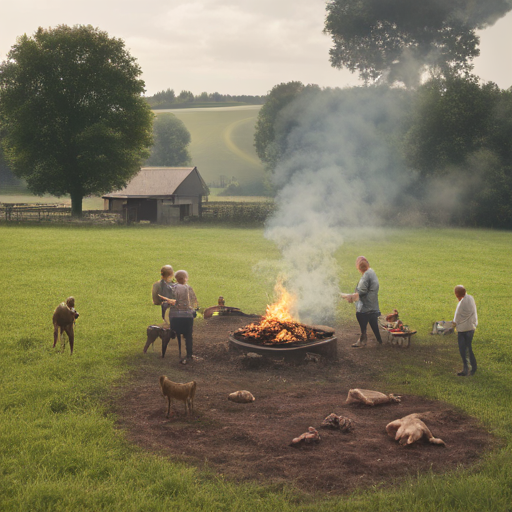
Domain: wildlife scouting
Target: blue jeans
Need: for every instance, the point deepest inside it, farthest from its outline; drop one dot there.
(466, 352)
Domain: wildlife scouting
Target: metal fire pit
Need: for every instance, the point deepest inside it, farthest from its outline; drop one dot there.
(327, 347)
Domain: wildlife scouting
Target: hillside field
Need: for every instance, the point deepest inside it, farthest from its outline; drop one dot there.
(61, 447)
(223, 143)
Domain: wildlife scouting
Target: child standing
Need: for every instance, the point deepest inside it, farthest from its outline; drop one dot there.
(183, 312)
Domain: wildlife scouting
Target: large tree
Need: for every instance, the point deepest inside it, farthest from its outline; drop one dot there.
(171, 139)
(72, 114)
(400, 39)
(280, 96)
(460, 136)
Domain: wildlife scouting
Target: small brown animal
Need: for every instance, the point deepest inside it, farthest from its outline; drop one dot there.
(409, 429)
(184, 392)
(309, 437)
(242, 397)
(369, 397)
(64, 318)
(392, 317)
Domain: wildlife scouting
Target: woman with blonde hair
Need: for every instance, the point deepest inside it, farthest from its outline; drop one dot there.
(366, 297)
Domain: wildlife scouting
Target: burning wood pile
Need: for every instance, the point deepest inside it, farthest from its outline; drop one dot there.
(278, 326)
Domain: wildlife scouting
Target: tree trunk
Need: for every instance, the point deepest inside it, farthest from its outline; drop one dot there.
(76, 205)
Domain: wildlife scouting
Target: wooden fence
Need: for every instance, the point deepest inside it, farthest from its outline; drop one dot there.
(13, 212)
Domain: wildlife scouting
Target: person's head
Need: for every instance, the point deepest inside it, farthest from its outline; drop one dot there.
(182, 276)
(459, 291)
(362, 264)
(167, 272)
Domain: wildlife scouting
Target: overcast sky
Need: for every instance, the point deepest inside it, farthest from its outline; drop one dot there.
(226, 46)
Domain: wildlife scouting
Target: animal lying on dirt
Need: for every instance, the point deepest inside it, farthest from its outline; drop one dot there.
(64, 318)
(410, 429)
(184, 392)
(309, 437)
(338, 423)
(241, 397)
(368, 397)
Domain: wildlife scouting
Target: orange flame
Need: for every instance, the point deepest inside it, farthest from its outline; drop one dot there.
(281, 310)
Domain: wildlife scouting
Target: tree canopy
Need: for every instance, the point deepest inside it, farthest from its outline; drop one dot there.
(460, 133)
(399, 39)
(280, 96)
(171, 140)
(72, 114)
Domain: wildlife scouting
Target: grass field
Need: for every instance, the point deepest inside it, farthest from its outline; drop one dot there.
(59, 448)
(223, 143)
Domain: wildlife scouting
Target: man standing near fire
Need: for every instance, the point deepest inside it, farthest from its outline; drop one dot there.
(366, 297)
(465, 321)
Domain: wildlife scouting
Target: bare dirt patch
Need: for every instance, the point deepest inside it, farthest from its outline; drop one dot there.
(251, 441)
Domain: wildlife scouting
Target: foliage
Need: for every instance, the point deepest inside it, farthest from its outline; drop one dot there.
(461, 132)
(264, 136)
(73, 119)
(186, 99)
(400, 39)
(7, 178)
(171, 140)
(59, 445)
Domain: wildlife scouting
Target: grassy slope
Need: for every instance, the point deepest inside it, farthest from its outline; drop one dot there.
(222, 143)
(59, 448)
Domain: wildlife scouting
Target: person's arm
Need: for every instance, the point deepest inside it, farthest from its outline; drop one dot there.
(192, 299)
(154, 294)
(363, 286)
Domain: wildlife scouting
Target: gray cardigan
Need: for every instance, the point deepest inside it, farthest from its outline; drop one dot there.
(368, 289)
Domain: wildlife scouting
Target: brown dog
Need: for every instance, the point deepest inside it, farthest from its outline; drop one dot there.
(64, 318)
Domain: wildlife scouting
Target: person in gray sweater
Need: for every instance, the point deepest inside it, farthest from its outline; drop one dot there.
(366, 297)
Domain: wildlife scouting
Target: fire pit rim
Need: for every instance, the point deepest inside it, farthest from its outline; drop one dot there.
(303, 347)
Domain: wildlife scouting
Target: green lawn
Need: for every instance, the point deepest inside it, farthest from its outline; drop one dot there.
(59, 448)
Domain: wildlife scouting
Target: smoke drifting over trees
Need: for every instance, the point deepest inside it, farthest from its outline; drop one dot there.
(400, 39)
(337, 167)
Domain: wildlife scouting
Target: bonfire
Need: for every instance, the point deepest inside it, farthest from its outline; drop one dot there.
(278, 325)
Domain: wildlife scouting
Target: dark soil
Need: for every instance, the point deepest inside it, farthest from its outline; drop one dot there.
(252, 441)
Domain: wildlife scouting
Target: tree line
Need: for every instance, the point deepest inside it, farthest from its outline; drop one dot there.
(169, 99)
(447, 145)
(422, 122)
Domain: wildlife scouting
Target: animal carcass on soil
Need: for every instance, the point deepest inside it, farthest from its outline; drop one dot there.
(410, 429)
(369, 397)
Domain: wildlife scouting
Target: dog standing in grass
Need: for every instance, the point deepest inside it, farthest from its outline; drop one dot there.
(64, 318)
(183, 392)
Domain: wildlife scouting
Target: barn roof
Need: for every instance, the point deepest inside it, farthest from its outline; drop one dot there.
(161, 182)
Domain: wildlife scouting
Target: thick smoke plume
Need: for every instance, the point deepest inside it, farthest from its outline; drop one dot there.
(337, 168)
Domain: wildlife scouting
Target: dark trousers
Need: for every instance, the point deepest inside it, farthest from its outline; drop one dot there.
(466, 351)
(369, 318)
(184, 326)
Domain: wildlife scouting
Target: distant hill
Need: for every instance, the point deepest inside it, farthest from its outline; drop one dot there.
(223, 144)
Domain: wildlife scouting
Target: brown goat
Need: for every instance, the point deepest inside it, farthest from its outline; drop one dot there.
(184, 392)
(64, 318)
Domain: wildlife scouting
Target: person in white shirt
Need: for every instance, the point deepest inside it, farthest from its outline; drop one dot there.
(465, 320)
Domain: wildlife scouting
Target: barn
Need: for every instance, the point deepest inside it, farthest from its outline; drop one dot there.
(161, 195)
